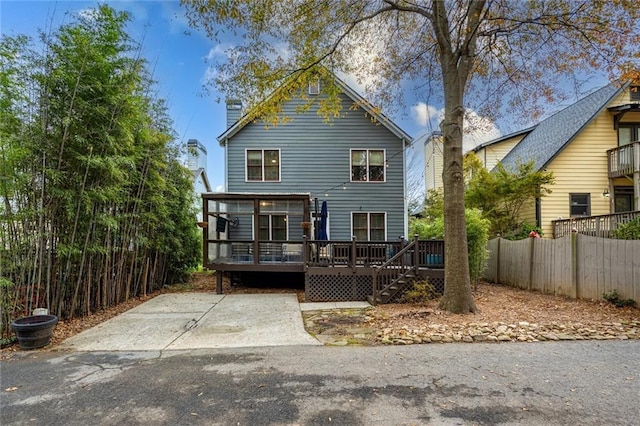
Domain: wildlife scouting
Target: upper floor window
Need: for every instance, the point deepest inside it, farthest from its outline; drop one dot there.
(314, 87)
(263, 165)
(628, 133)
(634, 93)
(367, 165)
(580, 204)
(369, 226)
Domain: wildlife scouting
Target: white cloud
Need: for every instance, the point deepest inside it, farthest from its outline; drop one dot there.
(477, 129)
(219, 188)
(219, 50)
(219, 53)
(422, 114)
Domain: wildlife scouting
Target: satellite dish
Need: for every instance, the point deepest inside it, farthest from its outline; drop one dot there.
(233, 222)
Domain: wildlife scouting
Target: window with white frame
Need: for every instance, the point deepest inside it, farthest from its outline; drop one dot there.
(367, 165)
(369, 226)
(272, 227)
(580, 204)
(263, 165)
(314, 87)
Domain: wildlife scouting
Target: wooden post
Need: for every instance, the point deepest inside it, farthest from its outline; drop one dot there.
(532, 242)
(498, 262)
(218, 282)
(305, 253)
(416, 254)
(352, 258)
(574, 264)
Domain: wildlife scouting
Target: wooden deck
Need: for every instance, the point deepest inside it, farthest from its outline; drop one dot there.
(335, 269)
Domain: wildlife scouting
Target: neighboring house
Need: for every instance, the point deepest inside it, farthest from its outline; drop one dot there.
(593, 149)
(279, 177)
(197, 164)
(492, 152)
(433, 162)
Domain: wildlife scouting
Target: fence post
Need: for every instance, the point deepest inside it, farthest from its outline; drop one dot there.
(498, 261)
(531, 263)
(574, 264)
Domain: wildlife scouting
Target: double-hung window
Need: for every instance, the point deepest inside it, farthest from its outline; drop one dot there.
(367, 165)
(273, 227)
(369, 226)
(580, 204)
(263, 165)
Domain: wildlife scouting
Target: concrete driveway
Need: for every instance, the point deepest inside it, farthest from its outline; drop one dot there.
(199, 321)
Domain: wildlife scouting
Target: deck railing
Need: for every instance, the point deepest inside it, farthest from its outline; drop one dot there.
(596, 226)
(370, 253)
(624, 160)
(321, 253)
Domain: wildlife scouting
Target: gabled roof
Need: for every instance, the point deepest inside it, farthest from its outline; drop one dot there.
(362, 102)
(202, 172)
(553, 134)
(502, 138)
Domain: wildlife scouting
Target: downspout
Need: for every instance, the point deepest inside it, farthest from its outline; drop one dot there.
(404, 189)
(226, 165)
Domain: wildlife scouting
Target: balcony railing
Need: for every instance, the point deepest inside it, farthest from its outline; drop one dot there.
(624, 160)
(596, 226)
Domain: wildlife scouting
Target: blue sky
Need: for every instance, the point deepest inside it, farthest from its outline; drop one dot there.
(177, 55)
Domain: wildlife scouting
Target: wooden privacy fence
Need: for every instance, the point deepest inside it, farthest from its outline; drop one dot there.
(578, 266)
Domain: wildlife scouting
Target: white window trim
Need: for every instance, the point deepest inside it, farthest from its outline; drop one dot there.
(314, 87)
(386, 227)
(246, 165)
(384, 165)
(286, 219)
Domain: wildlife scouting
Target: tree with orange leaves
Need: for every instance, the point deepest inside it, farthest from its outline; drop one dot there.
(491, 56)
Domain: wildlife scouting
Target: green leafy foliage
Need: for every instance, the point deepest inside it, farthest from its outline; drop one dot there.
(523, 232)
(502, 194)
(615, 299)
(95, 208)
(628, 231)
(420, 292)
(477, 237)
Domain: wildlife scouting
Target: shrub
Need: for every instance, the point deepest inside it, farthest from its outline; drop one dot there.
(420, 292)
(477, 238)
(628, 231)
(614, 298)
(523, 232)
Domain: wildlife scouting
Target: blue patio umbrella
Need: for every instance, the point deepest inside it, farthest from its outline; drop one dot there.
(322, 228)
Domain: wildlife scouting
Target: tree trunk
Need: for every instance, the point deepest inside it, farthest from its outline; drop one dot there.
(456, 66)
(457, 296)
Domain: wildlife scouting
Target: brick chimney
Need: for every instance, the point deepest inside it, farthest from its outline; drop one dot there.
(234, 111)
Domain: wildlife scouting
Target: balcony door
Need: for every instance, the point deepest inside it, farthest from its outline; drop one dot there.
(623, 199)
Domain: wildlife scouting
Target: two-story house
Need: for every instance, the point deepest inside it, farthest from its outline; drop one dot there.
(593, 149)
(342, 181)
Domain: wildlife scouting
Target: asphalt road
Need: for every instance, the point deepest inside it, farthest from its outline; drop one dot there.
(550, 383)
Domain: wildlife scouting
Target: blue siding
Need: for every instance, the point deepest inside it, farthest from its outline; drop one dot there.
(315, 158)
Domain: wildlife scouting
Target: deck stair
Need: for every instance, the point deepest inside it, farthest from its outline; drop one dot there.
(396, 275)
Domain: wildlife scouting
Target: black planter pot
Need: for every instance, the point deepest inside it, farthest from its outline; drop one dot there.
(35, 331)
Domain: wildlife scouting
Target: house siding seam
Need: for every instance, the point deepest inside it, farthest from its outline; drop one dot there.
(315, 159)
